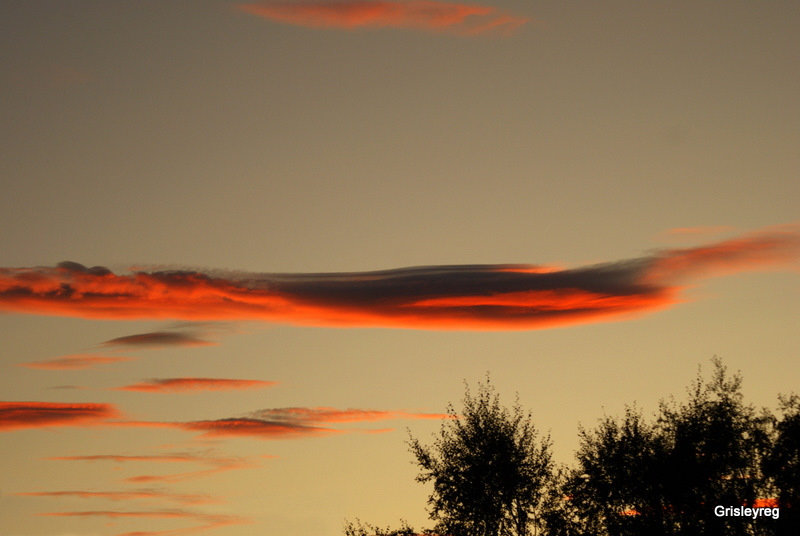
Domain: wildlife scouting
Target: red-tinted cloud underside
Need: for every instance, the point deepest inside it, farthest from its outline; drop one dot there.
(16, 415)
(181, 385)
(435, 297)
(467, 19)
(277, 423)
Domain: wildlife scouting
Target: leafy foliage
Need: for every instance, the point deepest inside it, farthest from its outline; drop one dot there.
(488, 467)
(782, 464)
(618, 488)
(492, 475)
(666, 478)
(357, 528)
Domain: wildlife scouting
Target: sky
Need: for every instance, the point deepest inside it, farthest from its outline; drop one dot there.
(247, 248)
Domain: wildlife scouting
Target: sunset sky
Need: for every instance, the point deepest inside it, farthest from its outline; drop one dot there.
(244, 247)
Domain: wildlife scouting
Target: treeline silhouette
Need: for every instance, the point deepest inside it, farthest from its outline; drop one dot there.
(709, 466)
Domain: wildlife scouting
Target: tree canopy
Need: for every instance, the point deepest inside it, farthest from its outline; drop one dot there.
(493, 475)
(488, 467)
(666, 477)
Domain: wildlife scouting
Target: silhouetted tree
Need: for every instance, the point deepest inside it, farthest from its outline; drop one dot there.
(666, 478)
(561, 513)
(493, 476)
(618, 487)
(357, 528)
(716, 444)
(488, 467)
(782, 465)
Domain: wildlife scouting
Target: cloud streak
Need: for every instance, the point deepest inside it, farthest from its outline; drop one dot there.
(74, 362)
(18, 415)
(477, 297)
(159, 339)
(139, 494)
(209, 521)
(464, 19)
(184, 385)
(332, 415)
(275, 423)
(287, 423)
(218, 464)
(255, 428)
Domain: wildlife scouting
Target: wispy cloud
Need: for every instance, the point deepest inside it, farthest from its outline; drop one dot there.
(18, 415)
(139, 494)
(208, 521)
(183, 385)
(296, 422)
(159, 339)
(255, 428)
(430, 15)
(114, 513)
(74, 362)
(277, 423)
(333, 415)
(433, 297)
(703, 231)
(159, 458)
(216, 462)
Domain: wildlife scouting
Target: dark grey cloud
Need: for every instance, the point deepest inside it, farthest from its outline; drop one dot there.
(479, 296)
(159, 339)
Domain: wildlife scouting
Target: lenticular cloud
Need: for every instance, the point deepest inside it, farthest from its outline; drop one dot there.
(17, 415)
(492, 296)
(431, 15)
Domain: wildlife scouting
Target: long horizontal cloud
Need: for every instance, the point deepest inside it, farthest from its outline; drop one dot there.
(217, 463)
(279, 423)
(181, 385)
(419, 14)
(139, 494)
(434, 297)
(159, 458)
(167, 514)
(251, 427)
(333, 415)
(74, 362)
(17, 415)
(209, 521)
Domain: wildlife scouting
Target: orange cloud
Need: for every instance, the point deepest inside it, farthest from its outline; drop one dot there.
(16, 415)
(279, 423)
(127, 495)
(779, 247)
(181, 385)
(258, 428)
(286, 423)
(73, 362)
(434, 297)
(466, 19)
(333, 415)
